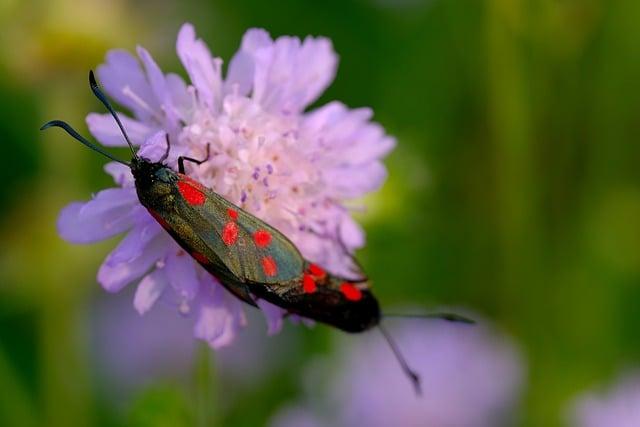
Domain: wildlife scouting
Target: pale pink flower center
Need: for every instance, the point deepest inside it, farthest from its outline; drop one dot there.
(257, 162)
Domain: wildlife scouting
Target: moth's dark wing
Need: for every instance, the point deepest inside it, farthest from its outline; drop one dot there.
(326, 305)
(183, 225)
(231, 235)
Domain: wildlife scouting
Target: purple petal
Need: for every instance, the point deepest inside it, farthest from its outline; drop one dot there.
(354, 181)
(149, 290)
(295, 319)
(128, 350)
(370, 143)
(273, 314)
(123, 79)
(154, 147)
(242, 65)
(203, 71)
(181, 272)
(106, 200)
(322, 119)
(120, 173)
(458, 390)
(105, 129)
(113, 276)
(617, 406)
(109, 213)
(220, 316)
(154, 74)
(348, 134)
(160, 88)
(136, 241)
(351, 233)
(180, 97)
(369, 389)
(290, 75)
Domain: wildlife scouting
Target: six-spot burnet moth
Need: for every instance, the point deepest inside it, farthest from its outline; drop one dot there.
(250, 258)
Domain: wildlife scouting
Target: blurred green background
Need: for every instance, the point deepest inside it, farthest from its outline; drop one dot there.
(515, 188)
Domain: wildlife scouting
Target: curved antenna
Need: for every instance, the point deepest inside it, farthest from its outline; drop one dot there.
(449, 317)
(101, 96)
(410, 373)
(71, 131)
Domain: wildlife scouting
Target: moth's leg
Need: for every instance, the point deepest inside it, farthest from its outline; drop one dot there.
(359, 280)
(181, 160)
(354, 260)
(166, 153)
(346, 252)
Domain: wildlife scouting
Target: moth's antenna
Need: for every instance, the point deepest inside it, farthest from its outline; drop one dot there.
(101, 96)
(449, 317)
(413, 376)
(71, 131)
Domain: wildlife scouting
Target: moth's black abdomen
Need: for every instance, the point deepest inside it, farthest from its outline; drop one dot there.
(356, 316)
(329, 307)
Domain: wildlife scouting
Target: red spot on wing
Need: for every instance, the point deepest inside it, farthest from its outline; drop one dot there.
(350, 291)
(160, 220)
(233, 214)
(262, 238)
(269, 266)
(308, 284)
(192, 181)
(201, 258)
(191, 193)
(317, 271)
(230, 233)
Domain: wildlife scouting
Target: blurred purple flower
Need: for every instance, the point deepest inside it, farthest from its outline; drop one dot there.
(291, 168)
(471, 377)
(618, 407)
(131, 352)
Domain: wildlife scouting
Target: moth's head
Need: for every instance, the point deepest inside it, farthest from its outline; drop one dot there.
(154, 181)
(146, 170)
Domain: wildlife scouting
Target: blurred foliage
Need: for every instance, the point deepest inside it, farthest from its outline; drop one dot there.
(514, 188)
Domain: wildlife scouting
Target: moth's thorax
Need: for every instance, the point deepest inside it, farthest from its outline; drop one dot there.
(154, 182)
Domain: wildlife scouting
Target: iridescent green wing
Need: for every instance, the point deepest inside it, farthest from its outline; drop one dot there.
(251, 249)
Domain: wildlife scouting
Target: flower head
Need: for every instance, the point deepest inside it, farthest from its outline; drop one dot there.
(471, 377)
(619, 407)
(291, 168)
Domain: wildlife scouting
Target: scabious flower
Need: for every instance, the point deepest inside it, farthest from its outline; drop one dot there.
(618, 407)
(292, 168)
(471, 377)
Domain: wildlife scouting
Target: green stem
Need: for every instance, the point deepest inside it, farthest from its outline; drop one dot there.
(205, 387)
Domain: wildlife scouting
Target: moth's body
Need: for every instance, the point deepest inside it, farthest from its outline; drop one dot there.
(249, 257)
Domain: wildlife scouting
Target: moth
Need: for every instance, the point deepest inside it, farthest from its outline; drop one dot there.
(250, 258)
